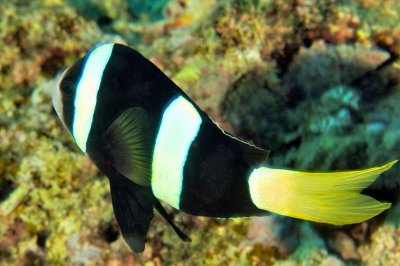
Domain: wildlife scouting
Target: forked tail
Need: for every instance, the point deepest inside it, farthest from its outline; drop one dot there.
(332, 198)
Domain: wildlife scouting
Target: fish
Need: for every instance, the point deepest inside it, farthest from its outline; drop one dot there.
(156, 146)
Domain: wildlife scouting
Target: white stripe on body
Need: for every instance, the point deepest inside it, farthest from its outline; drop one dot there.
(180, 125)
(86, 93)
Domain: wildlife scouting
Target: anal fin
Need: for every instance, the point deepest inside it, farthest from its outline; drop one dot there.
(163, 213)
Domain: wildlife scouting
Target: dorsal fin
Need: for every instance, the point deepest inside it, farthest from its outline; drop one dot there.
(128, 144)
(252, 154)
(163, 212)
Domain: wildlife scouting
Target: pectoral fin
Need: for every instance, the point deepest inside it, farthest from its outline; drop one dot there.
(133, 209)
(127, 142)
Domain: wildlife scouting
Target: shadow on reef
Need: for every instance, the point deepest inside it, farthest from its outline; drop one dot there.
(333, 109)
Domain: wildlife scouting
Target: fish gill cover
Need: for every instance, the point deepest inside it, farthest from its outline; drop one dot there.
(317, 82)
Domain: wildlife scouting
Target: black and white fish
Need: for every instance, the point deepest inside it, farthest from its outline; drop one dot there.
(154, 143)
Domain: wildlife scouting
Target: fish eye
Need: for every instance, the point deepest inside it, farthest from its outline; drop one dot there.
(67, 87)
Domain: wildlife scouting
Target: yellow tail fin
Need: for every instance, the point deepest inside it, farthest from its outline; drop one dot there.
(332, 198)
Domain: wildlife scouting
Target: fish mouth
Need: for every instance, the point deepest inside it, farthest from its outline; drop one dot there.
(57, 97)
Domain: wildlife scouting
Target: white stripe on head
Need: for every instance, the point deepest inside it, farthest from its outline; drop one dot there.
(179, 127)
(86, 92)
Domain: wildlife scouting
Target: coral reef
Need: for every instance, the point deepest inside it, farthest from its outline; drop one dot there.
(37, 42)
(384, 248)
(317, 82)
